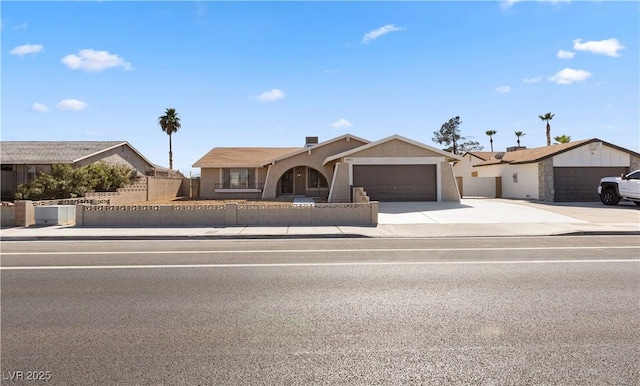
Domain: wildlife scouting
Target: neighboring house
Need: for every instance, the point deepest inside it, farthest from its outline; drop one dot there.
(392, 169)
(467, 175)
(162, 172)
(22, 161)
(562, 173)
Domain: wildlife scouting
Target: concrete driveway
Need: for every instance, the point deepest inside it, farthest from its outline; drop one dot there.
(495, 210)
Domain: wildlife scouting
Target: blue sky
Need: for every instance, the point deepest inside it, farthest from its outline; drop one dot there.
(271, 73)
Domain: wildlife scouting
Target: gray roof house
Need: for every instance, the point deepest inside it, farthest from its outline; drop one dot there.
(21, 161)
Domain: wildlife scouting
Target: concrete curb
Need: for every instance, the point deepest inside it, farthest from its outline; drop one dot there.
(299, 236)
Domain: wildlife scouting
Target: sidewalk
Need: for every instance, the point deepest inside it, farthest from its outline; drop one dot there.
(471, 217)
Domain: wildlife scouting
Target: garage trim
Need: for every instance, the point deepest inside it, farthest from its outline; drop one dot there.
(400, 161)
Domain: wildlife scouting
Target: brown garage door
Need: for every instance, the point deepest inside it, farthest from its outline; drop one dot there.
(580, 184)
(397, 182)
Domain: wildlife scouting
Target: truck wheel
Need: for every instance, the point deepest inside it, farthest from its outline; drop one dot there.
(609, 197)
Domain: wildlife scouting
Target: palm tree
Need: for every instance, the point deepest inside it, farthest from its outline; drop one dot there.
(547, 117)
(170, 123)
(520, 134)
(491, 133)
(562, 138)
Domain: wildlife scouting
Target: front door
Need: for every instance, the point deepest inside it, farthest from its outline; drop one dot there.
(300, 184)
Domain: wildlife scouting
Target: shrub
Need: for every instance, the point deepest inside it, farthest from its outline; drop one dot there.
(65, 181)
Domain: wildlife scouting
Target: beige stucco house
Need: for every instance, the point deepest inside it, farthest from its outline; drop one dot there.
(562, 172)
(391, 169)
(22, 161)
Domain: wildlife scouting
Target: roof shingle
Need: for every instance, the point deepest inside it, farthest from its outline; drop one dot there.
(254, 157)
(51, 152)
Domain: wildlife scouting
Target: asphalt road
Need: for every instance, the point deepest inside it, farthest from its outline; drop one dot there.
(493, 311)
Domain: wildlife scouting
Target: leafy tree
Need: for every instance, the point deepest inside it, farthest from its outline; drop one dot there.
(562, 138)
(449, 135)
(64, 181)
(491, 133)
(520, 134)
(170, 123)
(547, 117)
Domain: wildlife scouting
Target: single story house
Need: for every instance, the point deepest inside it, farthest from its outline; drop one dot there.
(22, 161)
(391, 169)
(557, 173)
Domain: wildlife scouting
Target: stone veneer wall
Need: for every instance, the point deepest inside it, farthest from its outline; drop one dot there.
(545, 180)
(634, 163)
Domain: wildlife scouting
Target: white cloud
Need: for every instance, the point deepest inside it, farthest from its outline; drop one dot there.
(373, 35)
(72, 104)
(569, 76)
(270, 96)
(39, 108)
(331, 71)
(341, 124)
(503, 89)
(609, 47)
(26, 49)
(532, 80)
(93, 61)
(22, 26)
(562, 54)
(510, 3)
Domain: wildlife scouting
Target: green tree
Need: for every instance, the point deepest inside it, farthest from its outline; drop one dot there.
(562, 138)
(547, 117)
(491, 133)
(449, 135)
(170, 123)
(520, 134)
(64, 181)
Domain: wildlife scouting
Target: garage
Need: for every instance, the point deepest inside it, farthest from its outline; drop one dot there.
(397, 182)
(580, 184)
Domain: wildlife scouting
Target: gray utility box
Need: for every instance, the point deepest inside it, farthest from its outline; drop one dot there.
(55, 215)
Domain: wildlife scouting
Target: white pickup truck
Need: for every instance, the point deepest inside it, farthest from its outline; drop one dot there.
(625, 187)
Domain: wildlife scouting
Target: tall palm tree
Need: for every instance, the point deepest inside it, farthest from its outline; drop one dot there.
(491, 133)
(170, 123)
(547, 117)
(520, 134)
(562, 138)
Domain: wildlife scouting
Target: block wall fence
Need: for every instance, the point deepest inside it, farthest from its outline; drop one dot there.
(365, 214)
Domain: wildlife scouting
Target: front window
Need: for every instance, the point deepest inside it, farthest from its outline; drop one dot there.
(316, 179)
(33, 171)
(238, 178)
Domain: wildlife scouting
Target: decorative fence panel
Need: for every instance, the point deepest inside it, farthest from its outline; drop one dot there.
(226, 215)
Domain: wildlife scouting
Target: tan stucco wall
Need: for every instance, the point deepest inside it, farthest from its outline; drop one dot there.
(340, 189)
(121, 155)
(208, 179)
(450, 190)
(313, 160)
(395, 148)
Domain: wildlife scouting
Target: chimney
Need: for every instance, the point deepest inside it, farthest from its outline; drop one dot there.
(310, 141)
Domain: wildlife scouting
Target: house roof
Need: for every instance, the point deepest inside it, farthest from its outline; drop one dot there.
(310, 148)
(447, 155)
(253, 157)
(534, 155)
(52, 152)
(482, 155)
